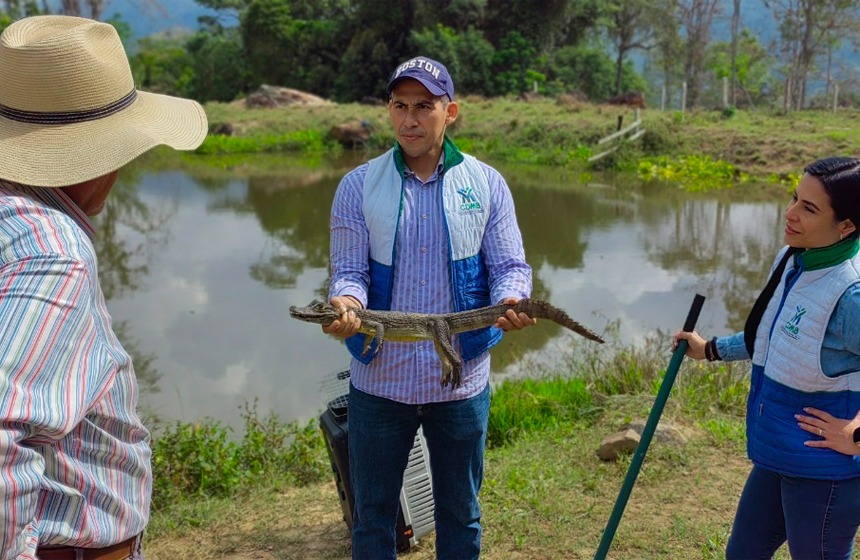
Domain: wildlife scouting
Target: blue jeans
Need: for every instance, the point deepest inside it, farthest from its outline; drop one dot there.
(818, 518)
(381, 435)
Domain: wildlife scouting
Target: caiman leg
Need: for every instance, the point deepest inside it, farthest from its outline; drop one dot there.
(452, 365)
(378, 335)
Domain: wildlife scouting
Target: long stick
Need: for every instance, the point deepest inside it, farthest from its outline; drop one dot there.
(648, 431)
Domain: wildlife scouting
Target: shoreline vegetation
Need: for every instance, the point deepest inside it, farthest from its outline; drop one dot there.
(268, 493)
(698, 149)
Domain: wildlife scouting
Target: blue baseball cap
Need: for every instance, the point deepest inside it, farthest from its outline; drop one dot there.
(433, 75)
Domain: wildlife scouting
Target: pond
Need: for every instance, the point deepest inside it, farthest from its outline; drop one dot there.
(201, 262)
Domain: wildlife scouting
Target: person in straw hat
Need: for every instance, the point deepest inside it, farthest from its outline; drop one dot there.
(75, 474)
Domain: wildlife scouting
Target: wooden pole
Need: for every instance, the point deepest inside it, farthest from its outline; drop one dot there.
(683, 96)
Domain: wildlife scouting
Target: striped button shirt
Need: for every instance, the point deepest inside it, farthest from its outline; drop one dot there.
(74, 456)
(409, 372)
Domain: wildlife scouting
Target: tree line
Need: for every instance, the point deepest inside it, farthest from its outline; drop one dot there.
(344, 50)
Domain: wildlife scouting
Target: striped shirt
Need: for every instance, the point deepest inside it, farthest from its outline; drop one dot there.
(409, 372)
(74, 456)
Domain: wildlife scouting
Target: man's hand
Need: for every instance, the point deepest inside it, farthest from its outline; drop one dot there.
(348, 323)
(511, 321)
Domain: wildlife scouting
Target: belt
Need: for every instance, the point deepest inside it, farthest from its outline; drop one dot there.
(121, 551)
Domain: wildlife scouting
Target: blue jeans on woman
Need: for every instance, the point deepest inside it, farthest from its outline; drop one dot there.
(381, 435)
(818, 518)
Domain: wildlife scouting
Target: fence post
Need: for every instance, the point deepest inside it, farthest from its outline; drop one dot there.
(683, 96)
(835, 97)
(725, 93)
(663, 99)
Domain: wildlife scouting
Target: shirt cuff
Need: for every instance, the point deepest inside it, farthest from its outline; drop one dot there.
(732, 348)
(352, 292)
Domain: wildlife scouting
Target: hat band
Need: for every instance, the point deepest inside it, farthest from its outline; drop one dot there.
(70, 117)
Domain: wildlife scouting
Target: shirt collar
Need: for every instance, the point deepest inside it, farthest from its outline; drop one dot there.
(450, 157)
(59, 200)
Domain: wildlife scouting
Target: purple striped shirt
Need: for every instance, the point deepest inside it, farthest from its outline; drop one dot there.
(409, 372)
(74, 456)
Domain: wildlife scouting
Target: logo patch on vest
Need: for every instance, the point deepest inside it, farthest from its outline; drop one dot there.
(792, 327)
(468, 201)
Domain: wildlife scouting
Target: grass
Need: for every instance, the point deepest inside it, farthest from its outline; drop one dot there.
(761, 144)
(546, 495)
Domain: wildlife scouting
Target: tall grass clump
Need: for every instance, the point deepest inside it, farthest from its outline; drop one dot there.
(700, 388)
(528, 405)
(205, 460)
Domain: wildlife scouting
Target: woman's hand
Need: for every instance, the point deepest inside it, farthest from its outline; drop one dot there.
(511, 320)
(696, 344)
(834, 433)
(348, 323)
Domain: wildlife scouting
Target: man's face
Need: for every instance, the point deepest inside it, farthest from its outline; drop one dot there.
(90, 195)
(419, 119)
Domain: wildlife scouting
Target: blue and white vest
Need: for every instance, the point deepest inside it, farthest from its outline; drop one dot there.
(466, 200)
(787, 376)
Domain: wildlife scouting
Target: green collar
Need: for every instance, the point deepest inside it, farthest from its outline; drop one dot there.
(452, 156)
(825, 257)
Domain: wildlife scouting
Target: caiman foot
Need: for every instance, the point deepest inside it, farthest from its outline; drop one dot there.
(451, 375)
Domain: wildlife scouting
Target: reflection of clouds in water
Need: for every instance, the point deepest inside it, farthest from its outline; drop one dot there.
(234, 381)
(220, 339)
(186, 290)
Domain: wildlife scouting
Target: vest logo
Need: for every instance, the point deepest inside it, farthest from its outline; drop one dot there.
(792, 326)
(469, 202)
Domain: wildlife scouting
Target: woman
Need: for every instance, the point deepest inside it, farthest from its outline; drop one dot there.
(803, 409)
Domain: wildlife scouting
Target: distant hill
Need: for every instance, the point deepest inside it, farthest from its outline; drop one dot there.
(146, 21)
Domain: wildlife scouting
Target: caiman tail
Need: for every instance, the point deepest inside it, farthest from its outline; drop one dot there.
(538, 309)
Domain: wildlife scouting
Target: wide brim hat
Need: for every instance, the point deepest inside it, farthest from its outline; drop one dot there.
(69, 110)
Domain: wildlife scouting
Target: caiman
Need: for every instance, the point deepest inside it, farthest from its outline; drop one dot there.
(411, 327)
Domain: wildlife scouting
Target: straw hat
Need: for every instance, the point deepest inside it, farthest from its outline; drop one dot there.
(69, 111)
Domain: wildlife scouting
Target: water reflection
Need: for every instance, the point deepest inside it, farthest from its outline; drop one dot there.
(200, 266)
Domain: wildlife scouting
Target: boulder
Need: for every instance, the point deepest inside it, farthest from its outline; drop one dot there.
(270, 97)
(352, 133)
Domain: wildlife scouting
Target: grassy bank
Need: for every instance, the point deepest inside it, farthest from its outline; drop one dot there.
(760, 144)
(546, 494)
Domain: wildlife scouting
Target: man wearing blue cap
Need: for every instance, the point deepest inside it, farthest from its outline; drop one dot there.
(422, 228)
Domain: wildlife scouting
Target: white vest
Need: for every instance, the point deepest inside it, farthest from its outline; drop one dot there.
(789, 343)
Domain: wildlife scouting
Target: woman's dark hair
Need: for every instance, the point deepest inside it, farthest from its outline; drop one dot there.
(841, 179)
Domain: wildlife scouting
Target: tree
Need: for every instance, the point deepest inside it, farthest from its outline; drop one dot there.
(590, 70)
(544, 24)
(467, 55)
(633, 25)
(752, 66)
(162, 64)
(808, 29)
(696, 17)
(733, 74)
(220, 67)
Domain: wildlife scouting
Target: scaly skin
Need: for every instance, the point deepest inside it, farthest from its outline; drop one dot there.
(411, 327)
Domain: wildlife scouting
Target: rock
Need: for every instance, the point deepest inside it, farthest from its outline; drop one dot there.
(371, 100)
(625, 441)
(665, 432)
(352, 133)
(269, 97)
(224, 129)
